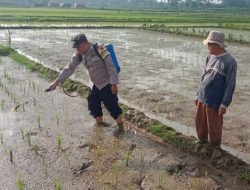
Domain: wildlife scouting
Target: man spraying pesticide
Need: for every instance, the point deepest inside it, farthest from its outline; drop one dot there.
(103, 69)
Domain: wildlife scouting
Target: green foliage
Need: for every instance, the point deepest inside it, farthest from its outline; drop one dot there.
(5, 51)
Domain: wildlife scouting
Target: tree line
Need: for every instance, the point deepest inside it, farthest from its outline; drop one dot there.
(136, 4)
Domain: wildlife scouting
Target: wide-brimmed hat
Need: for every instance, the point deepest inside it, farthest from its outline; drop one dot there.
(78, 39)
(216, 37)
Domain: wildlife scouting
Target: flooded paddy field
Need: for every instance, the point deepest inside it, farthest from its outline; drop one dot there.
(160, 74)
(46, 142)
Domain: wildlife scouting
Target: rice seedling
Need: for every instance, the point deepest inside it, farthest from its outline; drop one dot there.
(43, 158)
(36, 148)
(59, 140)
(10, 152)
(1, 138)
(45, 168)
(117, 147)
(160, 180)
(22, 133)
(142, 164)
(117, 173)
(38, 119)
(127, 157)
(2, 104)
(20, 183)
(57, 184)
(98, 151)
(34, 101)
(28, 135)
(33, 85)
(57, 119)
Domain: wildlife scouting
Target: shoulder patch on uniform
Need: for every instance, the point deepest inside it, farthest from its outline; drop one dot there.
(103, 52)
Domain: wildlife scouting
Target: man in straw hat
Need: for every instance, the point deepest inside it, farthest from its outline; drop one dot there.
(215, 92)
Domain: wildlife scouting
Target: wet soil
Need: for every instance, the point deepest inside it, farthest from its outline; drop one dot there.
(160, 74)
(63, 138)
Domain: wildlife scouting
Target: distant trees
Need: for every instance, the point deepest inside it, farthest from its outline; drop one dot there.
(136, 4)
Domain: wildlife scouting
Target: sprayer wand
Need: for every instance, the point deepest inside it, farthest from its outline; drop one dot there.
(26, 101)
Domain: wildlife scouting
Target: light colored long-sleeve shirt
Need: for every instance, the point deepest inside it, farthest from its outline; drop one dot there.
(218, 81)
(101, 72)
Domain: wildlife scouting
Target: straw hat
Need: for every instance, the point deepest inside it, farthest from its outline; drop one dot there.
(216, 37)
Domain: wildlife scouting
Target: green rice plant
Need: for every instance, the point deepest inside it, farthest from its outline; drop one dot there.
(36, 147)
(127, 157)
(57, 185)
(98, 151)
(45, 168)
(10, 152)
(38, 119)
(57, 119)
(130, 184)
(28, 134)
(59, 140)
(22, 133)
(20, 183)
(1, 138)
(33, 85)
(160, 180)
(14, 99)
(117, 172)
(2, 104)
(142, 164)
(34, 101)
(67, 157)
(117, 147)
(43, 158)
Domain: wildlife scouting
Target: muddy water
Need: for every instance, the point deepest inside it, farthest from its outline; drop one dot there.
(43, 164)
(160, 73)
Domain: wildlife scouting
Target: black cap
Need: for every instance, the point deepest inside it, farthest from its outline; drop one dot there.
(78, 39)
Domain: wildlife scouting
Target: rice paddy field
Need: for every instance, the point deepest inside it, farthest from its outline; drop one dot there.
(161, 56)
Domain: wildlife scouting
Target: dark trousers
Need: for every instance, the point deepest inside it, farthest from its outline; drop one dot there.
(96, 97)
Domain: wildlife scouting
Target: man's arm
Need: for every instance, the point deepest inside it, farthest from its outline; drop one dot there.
(67, 71)
(229, 86)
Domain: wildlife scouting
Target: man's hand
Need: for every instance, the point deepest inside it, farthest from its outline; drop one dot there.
(53, 85)
(196, 102)
(222, 110)
(114, 89)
